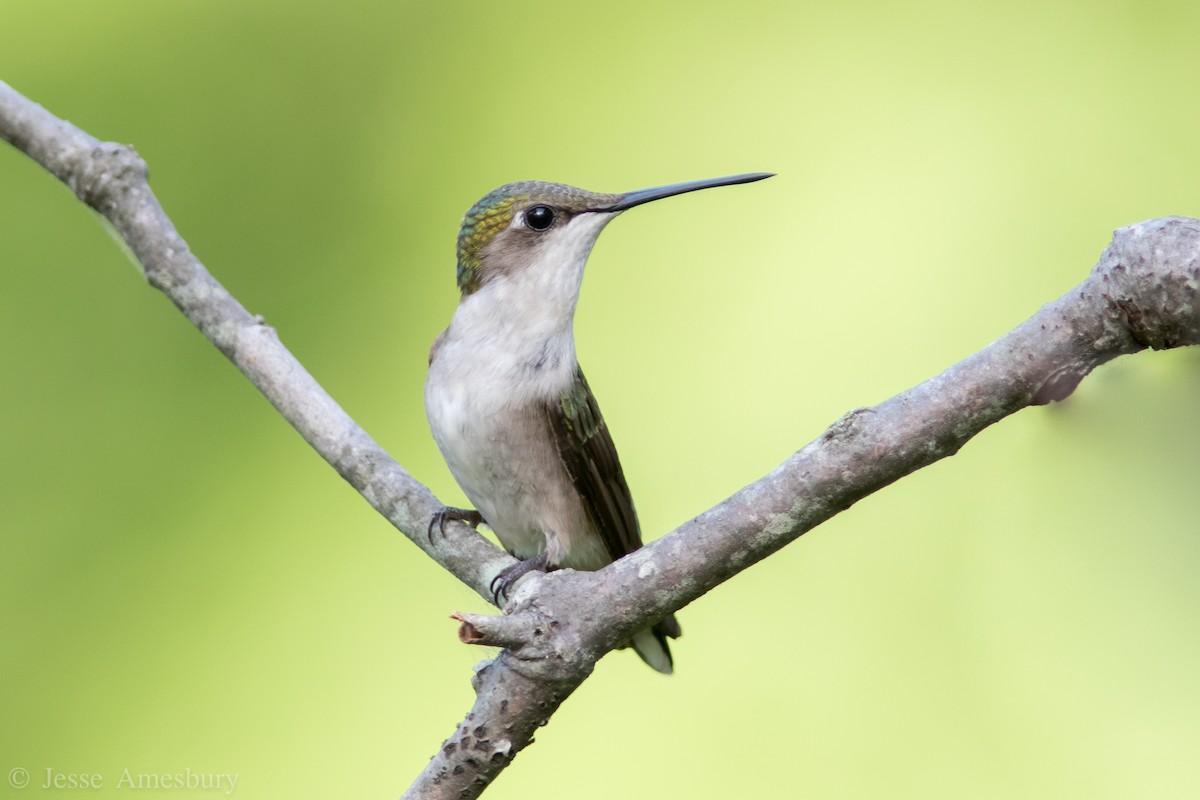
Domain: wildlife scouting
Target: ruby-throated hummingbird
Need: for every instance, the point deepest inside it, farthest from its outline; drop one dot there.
(507, 402)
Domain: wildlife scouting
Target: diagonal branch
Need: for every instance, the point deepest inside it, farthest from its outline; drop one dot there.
(112, 179)
(1144, 292)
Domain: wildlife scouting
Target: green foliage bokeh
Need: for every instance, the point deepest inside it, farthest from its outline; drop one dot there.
(184, 584)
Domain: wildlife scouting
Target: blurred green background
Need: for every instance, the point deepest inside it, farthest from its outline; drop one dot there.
(185, 585)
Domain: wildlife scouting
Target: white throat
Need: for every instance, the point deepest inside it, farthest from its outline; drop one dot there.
(516, 332)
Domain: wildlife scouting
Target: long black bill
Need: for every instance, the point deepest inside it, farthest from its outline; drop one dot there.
(636, 198)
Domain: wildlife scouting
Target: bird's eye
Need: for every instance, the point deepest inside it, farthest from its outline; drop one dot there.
(539, 218)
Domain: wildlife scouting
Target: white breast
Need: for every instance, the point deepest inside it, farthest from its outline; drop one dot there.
(509, 350)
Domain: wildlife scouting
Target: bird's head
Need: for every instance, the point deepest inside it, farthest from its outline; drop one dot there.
(532, 223)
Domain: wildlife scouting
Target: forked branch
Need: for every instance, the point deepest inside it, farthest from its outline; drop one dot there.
(1144, 292)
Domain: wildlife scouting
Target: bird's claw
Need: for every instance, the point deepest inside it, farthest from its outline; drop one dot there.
(510, 575)
(466, 515)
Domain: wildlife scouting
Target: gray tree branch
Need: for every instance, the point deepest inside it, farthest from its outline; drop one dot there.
(112, 179)
(1144, 292)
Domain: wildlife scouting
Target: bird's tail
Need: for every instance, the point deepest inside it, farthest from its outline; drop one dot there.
(651, 644)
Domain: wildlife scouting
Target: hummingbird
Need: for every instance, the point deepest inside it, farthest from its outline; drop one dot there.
(507, 402)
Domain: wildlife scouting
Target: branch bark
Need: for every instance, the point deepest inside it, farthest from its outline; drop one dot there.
(1144, 292)
(112, 179)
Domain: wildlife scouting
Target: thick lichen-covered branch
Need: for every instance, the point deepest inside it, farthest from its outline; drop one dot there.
(1143, 293)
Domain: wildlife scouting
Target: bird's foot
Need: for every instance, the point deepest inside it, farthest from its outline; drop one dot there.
(449, 514)
(510, 575)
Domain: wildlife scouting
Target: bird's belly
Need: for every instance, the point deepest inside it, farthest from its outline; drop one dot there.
(507, 464)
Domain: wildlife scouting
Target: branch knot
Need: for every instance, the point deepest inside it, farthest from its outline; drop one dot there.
(1151, 281)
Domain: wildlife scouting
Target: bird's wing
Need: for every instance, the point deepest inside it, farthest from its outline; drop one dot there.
(587, 451)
